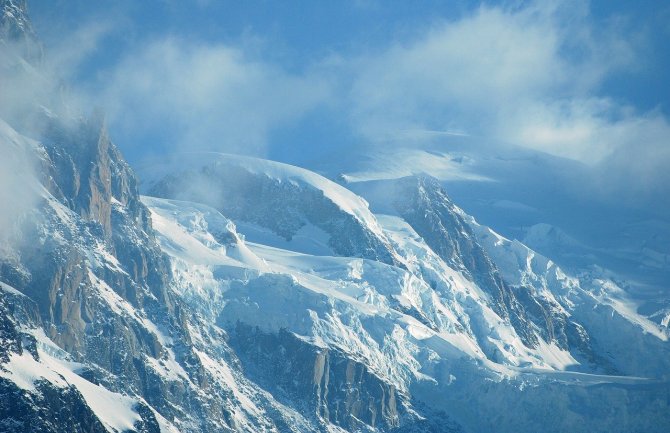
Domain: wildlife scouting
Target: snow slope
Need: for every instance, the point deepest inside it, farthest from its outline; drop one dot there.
(289, 202)
(427, 328)
(525, 194)
(116, 411)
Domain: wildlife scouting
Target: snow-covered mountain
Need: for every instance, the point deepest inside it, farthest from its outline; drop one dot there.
(463, 300)
(292, 203)
(247, 295)
(554, 205)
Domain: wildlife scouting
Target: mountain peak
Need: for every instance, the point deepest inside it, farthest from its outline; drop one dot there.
(16, 30)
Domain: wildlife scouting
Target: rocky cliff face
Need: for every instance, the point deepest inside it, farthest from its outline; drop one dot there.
(90, 275)
(66, 266)
(44, 406)
(324, 382)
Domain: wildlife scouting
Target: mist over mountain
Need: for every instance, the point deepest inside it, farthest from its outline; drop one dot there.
(428, 280)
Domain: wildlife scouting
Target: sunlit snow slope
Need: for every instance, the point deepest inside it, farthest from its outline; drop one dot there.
(460, 315)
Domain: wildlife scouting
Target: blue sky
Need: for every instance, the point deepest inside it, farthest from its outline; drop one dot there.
(290, 80)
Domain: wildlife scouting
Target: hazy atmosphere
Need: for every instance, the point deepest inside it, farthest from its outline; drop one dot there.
(334, 217)
(580, 80)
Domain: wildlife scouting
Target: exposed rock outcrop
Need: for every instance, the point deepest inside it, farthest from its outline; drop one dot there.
(327, 383)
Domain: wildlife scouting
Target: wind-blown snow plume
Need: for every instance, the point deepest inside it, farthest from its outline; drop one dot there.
(18, 183)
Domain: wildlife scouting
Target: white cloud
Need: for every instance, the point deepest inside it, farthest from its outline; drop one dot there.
(530, 76)
(523, 75)
(65, 54)
(207, 96)
(637, 167)
(32, 91)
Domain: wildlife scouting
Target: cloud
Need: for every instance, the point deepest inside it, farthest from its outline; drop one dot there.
(637, 167)
(488, 71)
(206, 96)
(18, 184)
(32, 89)
(530, 76)
(66, 54)
(33, 81)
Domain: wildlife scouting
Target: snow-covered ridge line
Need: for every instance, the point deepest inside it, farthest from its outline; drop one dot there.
(286, 200)
(342, 197)
(523, 266)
